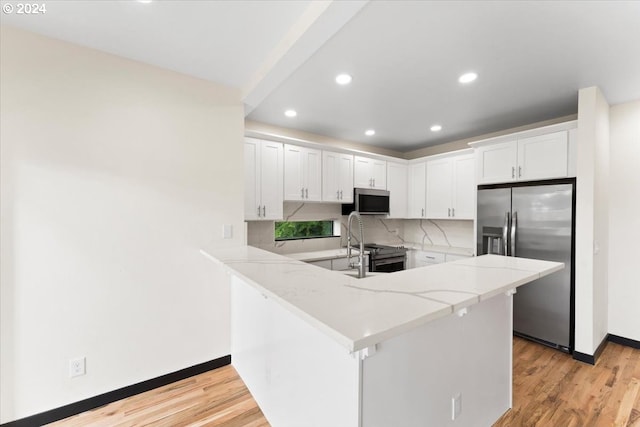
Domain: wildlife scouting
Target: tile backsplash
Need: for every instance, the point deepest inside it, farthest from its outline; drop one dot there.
(377, 229)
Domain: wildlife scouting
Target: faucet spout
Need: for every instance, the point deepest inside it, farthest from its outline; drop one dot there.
(360, 264)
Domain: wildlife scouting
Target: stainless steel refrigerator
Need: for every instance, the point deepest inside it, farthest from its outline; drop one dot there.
(534, 220)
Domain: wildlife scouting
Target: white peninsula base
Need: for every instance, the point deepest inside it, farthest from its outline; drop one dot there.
(300, 376)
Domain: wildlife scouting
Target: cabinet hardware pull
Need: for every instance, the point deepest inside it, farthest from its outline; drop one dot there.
(453, 212)
(374, 182)
(429, 257)
(513, 171)
(422, 212)
(302, 193)
(338, 194)
(258, 211)
(306, 193)
(519, 171)
(341, 195)
(264, 211)
(449, 212)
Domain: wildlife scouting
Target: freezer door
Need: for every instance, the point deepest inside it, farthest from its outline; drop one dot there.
(494, 213)
(542, 230)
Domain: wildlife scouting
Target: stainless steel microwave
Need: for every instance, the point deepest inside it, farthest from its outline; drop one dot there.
(367, 201)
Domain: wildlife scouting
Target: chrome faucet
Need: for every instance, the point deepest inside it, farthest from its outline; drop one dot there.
(360, 264)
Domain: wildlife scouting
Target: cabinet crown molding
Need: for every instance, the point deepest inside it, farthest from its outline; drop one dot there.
(572, 124)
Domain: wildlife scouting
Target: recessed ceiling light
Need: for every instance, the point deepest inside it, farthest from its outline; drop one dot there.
(467, 77)
(436, 128)
(343, 79)
(290, 113)
(370, 132)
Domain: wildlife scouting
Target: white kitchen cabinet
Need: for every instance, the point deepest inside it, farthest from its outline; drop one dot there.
(370, 173)
(524, 158)
(497, 162)
(418, 258)
(425, 258)
(302, 173)
(417, 203)
(450, 187)
(397, 174)
(337, 177)
(263, 173)
(544, 156)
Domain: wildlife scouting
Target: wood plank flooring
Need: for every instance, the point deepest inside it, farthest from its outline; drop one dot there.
(215, 398)
(550, 389)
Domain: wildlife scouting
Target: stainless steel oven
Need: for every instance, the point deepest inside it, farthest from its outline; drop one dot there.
(386, 259)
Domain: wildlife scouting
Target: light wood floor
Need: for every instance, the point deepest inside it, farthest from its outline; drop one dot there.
(550, 389)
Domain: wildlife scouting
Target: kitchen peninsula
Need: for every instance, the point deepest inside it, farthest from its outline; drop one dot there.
(412, 348)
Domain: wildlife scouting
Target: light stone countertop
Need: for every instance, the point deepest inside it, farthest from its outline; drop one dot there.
(359, 313)
(441, 249)
(342, 252)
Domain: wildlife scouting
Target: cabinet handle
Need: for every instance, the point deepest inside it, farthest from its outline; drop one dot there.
(519, 171)
(429, 257)
(513, 171)
(302, 193)
(422, 212)
(453, 212)
(374, 182)
(258, 211)
(449, 212)
(306, 193)
(264, 211)
(338, 194)
(341, 195)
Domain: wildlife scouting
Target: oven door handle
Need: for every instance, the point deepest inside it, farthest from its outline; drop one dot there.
(387, 261)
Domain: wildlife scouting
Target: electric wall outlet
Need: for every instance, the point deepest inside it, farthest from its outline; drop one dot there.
(456, 406)
(77, 367)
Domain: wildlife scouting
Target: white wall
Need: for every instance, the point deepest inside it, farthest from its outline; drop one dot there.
(114, 174)
(592, 221)
(624, 221)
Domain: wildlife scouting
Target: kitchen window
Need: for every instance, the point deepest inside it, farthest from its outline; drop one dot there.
(291, 230)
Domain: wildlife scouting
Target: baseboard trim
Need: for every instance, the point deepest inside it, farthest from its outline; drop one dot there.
(115, 395)
(588, 358)
(624, 341)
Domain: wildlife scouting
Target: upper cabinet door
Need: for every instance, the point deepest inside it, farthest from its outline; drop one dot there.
(312, 166)
(302, 173)
(497, 162)
(362, 172)
(464, 187)
(370, 173)
(271, 176)
(251, 178)
(439, 188)
(293, 169)
(397, 186)
(542, 157)
(337, 177)
(345, 177)
(416, 204)
(379, 174)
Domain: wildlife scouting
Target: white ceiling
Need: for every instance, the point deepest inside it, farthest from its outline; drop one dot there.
(404, 56)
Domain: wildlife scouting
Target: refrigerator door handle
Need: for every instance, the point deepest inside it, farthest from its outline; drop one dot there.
(514, 229)
(505, 233)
